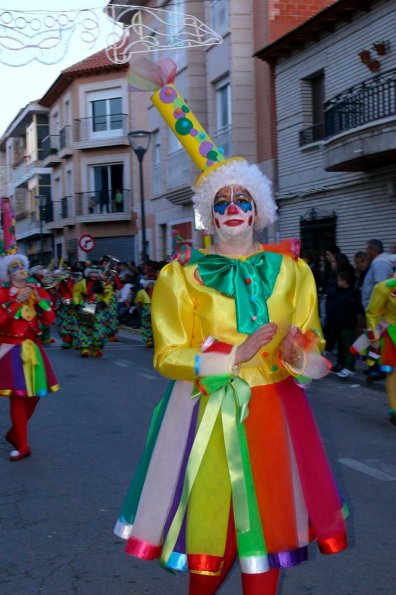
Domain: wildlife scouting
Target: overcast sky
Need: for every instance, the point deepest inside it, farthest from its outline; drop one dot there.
(22, 84)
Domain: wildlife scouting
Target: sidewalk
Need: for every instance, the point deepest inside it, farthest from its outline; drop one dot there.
(359, 376)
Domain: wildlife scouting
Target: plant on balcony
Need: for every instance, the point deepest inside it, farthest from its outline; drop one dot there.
(365, 56)
(374, 65)
(381, 47)
(53, 150)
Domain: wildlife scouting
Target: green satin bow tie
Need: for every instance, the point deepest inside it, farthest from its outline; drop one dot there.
(249, 280)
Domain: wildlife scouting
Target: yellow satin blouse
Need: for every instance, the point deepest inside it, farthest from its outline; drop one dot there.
(185, 312)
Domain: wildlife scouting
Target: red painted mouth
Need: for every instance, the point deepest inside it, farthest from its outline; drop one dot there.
(234, 222)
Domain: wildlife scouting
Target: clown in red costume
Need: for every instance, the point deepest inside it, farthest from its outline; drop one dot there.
(25, 372)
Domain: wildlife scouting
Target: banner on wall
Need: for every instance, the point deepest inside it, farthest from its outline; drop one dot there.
(8, 224)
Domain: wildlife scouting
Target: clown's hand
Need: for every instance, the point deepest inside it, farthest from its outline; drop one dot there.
(254, 342)
(299, 360)
(24, 294)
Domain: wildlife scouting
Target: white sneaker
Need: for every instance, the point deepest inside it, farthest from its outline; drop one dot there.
(345, 373)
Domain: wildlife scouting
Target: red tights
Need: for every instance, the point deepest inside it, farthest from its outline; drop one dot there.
(21, 410)
(253, 584)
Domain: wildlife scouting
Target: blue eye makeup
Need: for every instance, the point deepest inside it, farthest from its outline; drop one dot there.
(240, 200)
(13, 268)
(221, 206)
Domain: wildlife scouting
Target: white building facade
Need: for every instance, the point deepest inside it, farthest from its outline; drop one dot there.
(335, 79)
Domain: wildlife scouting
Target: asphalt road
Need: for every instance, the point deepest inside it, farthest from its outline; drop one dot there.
(58, 507)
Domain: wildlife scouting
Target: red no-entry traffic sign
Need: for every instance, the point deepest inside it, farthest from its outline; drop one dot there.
(87, 242)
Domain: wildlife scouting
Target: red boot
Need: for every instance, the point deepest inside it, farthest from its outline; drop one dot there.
(21, 410)
(17, 455)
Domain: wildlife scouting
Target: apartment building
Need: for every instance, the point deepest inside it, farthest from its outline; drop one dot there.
(335, 81)
(89, 154)
(229, 91)
(24, 177)
(68, 166)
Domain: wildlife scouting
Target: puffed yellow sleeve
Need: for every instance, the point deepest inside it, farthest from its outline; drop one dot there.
(377, 307)
(79, 292)
(300, 354)
(306, 314)
(172, 316)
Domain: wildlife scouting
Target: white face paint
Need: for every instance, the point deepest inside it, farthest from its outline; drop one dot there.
(233, 212)
(17, 271)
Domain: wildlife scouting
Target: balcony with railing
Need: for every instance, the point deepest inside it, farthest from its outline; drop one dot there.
(313, 134)
(178, 186)
(49, 150)
(359, 130)
(65, 141)
(178, 168)
(27, 169)
(108, 130)
(62, 213)
(156, 187)
(103, 205)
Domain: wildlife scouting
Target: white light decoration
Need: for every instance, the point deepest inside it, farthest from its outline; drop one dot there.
(149, 29)
(44, 36)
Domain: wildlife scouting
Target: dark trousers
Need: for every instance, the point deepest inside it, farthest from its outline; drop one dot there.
(345, 338)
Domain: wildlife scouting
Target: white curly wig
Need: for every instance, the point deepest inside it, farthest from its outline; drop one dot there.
(5, 262)
(235, 171)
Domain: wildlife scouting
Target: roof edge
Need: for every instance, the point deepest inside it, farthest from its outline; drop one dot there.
(319, 24)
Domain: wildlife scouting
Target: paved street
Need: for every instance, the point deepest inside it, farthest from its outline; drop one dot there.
(58, 507)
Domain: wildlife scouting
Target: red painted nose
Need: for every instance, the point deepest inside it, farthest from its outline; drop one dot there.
(232, 209)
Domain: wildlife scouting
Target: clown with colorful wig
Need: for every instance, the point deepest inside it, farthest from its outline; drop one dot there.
(234, 466)
(25, 372)
(381, 331)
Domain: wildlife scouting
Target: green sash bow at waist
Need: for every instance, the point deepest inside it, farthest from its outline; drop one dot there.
(228, 397)
(249, 280)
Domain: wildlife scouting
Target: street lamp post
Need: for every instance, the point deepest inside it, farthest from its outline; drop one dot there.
(42, 201)
(139, 141)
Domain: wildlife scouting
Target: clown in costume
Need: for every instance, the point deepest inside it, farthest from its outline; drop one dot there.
(65, 311)
(381, 327)
(25, 372)
(233, 465)
(91, 296)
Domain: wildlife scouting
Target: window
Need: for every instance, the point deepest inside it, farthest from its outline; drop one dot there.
(223, 133)
(219, 16)
(107, 183)
(106, 114)
(223, 105)
(318, 97)
(176, 33)
(318, 230)
(313, 96)
(156, 161)
(156, 148)
(67, 112)
(174, 144)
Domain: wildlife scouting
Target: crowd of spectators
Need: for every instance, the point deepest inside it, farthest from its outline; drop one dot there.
(344, 290)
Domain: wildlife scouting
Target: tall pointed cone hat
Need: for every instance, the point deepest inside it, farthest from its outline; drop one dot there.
(160, 77)
(217, 171)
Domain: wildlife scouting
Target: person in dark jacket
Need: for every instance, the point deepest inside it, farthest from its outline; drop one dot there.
(345, 319)
(339, 262)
